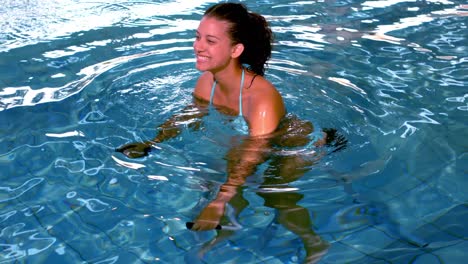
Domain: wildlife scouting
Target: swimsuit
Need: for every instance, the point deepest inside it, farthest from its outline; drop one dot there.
(239, 122)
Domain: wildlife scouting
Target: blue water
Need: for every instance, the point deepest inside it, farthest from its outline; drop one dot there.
(80, 78)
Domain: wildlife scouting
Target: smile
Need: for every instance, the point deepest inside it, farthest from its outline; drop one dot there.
(202, 58)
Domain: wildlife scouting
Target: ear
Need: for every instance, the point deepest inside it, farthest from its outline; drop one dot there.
(237, 50)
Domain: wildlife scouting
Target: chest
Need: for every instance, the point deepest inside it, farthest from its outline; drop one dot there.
(232, 104)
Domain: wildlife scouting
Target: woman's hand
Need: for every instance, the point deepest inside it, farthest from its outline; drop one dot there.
(210, 217)
(135, 150)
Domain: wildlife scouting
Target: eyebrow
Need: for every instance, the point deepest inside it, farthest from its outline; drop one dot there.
(209, 36)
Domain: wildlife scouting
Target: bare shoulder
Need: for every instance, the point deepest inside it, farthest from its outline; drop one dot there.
(264, 92)
(203, 86)
(266, 107)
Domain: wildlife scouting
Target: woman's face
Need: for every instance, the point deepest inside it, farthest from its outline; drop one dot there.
(212, 46)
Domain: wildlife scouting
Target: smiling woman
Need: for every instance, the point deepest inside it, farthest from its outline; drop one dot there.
(231, 56)
(232, 47)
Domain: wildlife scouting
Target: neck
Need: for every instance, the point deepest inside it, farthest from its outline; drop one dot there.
(229, 79)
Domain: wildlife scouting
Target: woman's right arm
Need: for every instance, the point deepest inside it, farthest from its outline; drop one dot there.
(189, 117)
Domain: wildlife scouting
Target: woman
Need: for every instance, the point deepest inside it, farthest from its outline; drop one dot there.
(232, 46)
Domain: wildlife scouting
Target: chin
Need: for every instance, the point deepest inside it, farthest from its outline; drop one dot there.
(201, 67)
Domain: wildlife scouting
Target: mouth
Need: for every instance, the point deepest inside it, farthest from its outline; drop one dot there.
(201, 58)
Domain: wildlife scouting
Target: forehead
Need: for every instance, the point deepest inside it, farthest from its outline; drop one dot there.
(214, 27)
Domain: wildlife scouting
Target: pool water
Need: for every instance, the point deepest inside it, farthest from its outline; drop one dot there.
(80, 78)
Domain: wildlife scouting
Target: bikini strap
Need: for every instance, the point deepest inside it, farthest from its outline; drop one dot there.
(240, 93)
(212, 92)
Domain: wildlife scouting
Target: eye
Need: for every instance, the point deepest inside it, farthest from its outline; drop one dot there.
(211, 40)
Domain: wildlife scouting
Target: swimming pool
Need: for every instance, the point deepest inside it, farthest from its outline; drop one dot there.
(80, 78)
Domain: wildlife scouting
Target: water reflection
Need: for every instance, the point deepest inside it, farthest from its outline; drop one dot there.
(26, 22)
(8, 194)
(283, 168)
(19, 240)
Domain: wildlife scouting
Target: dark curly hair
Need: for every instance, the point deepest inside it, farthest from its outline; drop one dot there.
(250, 29)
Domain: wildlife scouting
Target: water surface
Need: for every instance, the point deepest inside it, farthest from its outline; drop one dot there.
(80, 78)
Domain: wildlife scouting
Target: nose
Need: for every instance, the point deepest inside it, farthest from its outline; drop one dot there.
(197, 45)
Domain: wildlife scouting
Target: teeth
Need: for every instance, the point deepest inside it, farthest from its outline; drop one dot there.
(202, 58)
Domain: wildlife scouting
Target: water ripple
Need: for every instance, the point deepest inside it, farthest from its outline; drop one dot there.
(26, 22)
(8, 193)
(94, 205)
(79, 79)
(22, 243)
(26, 96)
(459, 99)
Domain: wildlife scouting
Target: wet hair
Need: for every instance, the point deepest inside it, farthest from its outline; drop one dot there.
(250, 29)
